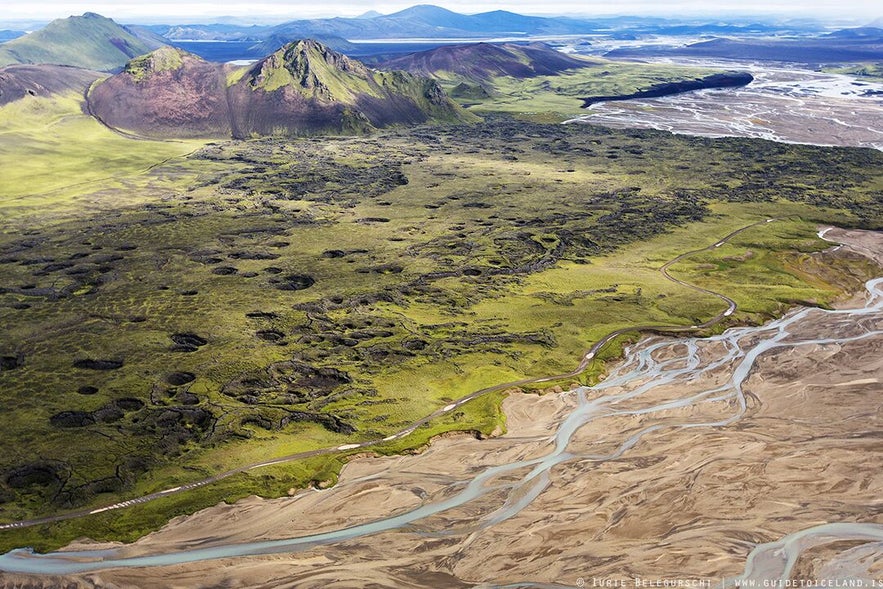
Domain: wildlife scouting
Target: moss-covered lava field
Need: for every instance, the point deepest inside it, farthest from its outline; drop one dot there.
(253, 299)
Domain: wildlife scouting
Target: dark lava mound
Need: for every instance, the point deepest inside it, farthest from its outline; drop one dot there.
(297, 282)
(177, 379)
(89, 364)
(72, 419)
(187, 342)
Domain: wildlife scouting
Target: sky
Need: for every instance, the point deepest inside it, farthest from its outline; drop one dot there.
(165, 11)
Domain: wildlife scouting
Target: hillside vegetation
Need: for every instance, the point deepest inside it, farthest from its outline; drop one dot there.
(90, 41)
(537, 82)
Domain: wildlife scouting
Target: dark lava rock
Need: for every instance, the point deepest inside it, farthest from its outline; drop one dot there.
(33, 474)
(414, 344)
(224, 270)
(333, 254)
(11, 362)
(186, 398)
(129, 404)
(54, 267)
(296, 282)
(184, 416)
(177, 379)
(108, 414)
(253, 256)
(724, 80)
(187, 342)
(330, 422)
(261, 315)
(87, 390)
(72, 419)
(270, 335)
(258, 420)
(313, 377)
(88, 364)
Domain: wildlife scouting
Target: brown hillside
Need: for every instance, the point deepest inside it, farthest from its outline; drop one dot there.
(19, 81)
(167, 93)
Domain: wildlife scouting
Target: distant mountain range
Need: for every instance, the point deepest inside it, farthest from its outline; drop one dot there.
(95, 42)
(211, 32)
(90, 41)
(430, 22)
(303, 88)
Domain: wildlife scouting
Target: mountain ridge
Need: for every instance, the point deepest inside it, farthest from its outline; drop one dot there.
(480, 62)
(90, 41)
(303, 88)
(429, 21)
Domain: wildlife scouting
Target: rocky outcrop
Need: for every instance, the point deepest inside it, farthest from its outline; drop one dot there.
(727, 80)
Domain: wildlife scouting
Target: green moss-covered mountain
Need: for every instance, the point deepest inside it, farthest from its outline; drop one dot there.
(90, 41)
(303, 88)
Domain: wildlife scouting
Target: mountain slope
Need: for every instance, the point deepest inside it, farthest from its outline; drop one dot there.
(303, 88)
(20, 81)
(275, 41)
(307, 88)
(169, 92)
(481, 62)
(90, 41)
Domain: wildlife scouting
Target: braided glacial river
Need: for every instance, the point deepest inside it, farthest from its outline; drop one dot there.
(690, 455)
(784, 104)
